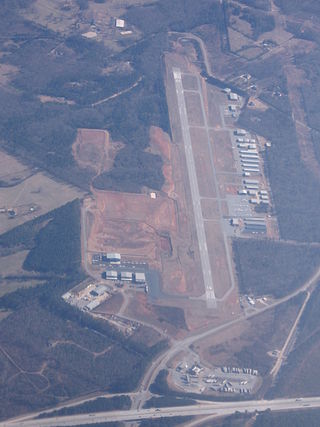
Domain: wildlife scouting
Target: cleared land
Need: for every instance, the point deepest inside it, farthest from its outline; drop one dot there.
(144, 229)
(201, 155)
(222, 150)
(35, 196)
(217, 256)
(189, 82)
(210, 209)
(215, 97)
(94, 149)
(193, 105)
(12, 172)
(131, 224)
(251, 343)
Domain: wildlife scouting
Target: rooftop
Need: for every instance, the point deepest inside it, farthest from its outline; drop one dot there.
(120, 23)
(140, 277)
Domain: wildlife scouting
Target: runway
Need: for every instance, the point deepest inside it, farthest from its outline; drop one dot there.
(204, 256)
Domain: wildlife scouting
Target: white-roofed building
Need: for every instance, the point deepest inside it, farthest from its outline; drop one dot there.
(140, 278)
(120, 23)
(126, 276)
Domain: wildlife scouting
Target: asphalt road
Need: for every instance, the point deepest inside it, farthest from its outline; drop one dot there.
(161, 361)
(215, 408)
(204, 256)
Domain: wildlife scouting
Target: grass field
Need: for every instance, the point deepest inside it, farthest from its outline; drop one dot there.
(35, 196)
(222, 150)
(218, 258)
(203, 166)
(250, 343)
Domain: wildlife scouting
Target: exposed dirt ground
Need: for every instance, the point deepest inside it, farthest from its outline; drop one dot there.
(141, 309)
(160, 144)
(7, 73)
(131, 224)
(94, 149)
(150, 230)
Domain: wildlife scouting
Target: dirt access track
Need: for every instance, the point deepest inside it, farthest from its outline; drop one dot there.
(145, 229)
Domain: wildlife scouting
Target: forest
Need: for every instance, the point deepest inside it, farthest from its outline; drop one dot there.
(288, 419)
(42, 133)
(267, 267)
(53, 240)
(297, 376)
(43, 330)
(57, 246)
(74, 347)
(297, 6)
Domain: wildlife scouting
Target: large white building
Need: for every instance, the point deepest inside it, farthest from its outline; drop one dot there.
(126, 276)
(140, 278)
(111, 275)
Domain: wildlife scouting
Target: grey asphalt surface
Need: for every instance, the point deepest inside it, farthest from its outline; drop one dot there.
(216, 185)
(205, 262)
(207, 408)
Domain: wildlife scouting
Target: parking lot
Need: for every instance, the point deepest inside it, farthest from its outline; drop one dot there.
(192, 376)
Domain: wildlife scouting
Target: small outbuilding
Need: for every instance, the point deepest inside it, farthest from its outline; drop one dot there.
(120, 23)
(233, 96)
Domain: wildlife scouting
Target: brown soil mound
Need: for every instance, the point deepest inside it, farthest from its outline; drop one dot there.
(160, 143)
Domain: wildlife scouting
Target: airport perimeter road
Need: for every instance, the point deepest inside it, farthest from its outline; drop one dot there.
(214, 408)
(204, 256)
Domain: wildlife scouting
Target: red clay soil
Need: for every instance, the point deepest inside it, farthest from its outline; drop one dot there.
(160, 144)
(156, 231)
(133, 224)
